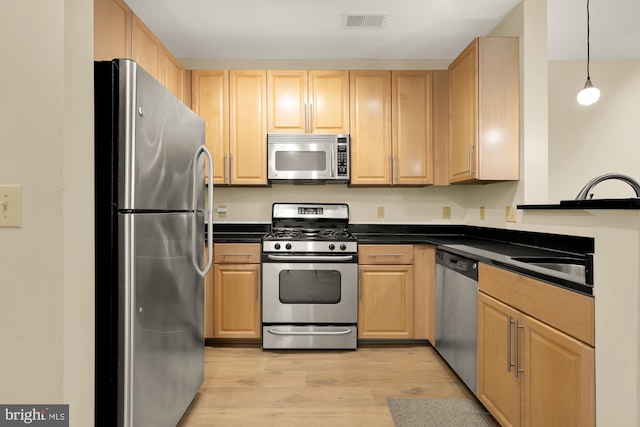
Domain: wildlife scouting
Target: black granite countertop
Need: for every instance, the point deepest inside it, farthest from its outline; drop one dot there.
(624, 204)
(489, 245)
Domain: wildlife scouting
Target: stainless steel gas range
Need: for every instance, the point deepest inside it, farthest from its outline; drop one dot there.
(309, 278)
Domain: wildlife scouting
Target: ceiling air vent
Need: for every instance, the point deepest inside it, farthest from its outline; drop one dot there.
(364, 20)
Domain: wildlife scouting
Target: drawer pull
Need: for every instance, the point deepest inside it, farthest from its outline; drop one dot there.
(386, 255)
(236, 254)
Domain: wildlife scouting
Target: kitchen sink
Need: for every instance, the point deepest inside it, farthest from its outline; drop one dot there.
(573, 266)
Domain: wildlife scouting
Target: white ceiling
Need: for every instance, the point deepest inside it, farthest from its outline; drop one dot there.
(414, 29)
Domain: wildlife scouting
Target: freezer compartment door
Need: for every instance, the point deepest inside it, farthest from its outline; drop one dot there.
(161, 324)
(158, 137)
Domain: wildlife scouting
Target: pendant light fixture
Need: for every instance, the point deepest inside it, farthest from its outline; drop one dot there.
(589, 94)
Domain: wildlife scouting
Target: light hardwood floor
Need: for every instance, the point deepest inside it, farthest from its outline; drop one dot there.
(252, 387)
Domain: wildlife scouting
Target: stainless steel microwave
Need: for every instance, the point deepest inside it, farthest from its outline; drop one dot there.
(308, 158)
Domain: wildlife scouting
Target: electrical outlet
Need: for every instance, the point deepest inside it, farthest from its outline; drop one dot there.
(483, 212)
(446, 212)
(511, 215)
(380, 211)
(10, 206)
(222, 211)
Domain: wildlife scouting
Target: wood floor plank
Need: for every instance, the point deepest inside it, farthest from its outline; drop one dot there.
(251, 387)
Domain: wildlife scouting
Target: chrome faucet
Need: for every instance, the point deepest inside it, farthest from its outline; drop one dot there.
(584, 193)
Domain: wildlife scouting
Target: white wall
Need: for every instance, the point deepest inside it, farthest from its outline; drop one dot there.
(401, 205)
(46, 304)
(585, 142)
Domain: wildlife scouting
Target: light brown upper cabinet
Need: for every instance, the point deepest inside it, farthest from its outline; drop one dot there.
(391, 128)
(484, 111)
(248, 127)
(119, 33)
(411, 128)
(371, 155)
(233, 105)
(112, 30)
(308, 101)
(150, 54)
(210, 101)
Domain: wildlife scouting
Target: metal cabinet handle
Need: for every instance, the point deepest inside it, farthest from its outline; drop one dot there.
(230, 169)
(305, 118)
(396, 170)
(385, 255)
(360, 284)
(310, 117)
(509, 364)
(517, 369)
(224, 169)
(391, 168)
(245, 255)
(258, 285)
(471, 159)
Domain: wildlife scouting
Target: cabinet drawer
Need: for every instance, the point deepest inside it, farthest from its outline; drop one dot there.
(565, 310)
(236, 253)
(385, 254)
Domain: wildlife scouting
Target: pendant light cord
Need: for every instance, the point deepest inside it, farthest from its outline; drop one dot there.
(588, 75)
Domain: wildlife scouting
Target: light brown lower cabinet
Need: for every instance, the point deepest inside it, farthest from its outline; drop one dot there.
(529, 373)
(236, 291)
(385, 293)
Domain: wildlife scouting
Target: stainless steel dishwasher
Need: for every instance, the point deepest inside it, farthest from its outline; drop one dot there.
(456, 314)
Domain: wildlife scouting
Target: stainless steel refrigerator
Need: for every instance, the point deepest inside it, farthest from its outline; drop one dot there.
(149, 245)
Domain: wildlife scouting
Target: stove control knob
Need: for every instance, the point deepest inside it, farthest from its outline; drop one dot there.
(343, 246)
(288, 246)
(277, 246)
(332, 246)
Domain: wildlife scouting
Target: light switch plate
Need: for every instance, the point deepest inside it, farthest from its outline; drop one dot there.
(380, 211)
(11, 206)
(511, 214)
(483, 212)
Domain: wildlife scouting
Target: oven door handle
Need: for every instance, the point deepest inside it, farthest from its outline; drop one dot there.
(310, 257)
(276, 332)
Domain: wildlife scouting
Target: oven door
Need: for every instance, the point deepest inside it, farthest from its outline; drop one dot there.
(309, 292)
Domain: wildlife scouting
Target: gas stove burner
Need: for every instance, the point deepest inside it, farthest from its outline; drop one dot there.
(286, 234)
(334, 234)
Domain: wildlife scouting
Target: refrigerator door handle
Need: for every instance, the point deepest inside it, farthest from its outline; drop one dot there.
(194, 206)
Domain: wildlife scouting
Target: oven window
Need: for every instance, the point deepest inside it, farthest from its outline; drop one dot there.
(301, 161)
(310, 287)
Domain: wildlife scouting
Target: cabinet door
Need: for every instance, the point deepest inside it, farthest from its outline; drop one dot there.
(237, 300)
(248, 120)
(287, 101)
(172, 74)
(558, 386)
(498, 389)
(370, 101)
(412, 134)
(328, 107)
(111, 30)
(386, 301)
(463, 105)
(210, 95)
(146, 48)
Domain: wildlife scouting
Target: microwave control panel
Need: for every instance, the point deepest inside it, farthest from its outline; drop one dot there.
(343, 157)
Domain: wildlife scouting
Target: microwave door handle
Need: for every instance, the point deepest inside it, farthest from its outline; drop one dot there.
(333, 162)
